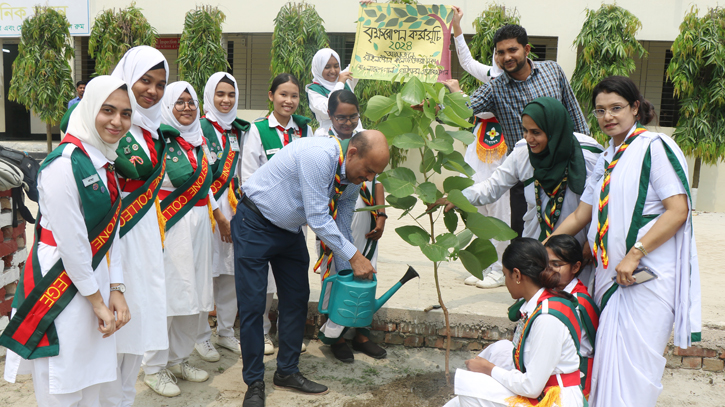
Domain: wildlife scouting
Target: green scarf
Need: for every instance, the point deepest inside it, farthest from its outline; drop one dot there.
(563, 150)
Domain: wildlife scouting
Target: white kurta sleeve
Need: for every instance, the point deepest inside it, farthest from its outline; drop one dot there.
(544, 349)
(116, 269)
(591, 193)
(318, 102)
(470, 65)
(214, 203)
(60, 205)
(503, 179)
(253, 154)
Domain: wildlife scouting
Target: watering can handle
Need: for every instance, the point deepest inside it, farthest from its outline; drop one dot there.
(328, 281)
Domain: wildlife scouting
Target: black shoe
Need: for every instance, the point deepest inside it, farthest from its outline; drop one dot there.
(342, 352)
(371, 349)
(298, 382)
(255, 395)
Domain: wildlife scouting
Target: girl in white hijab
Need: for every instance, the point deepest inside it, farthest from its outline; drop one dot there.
(327, 78)
(140, 160)
(224, 132)
(188, 244)
(85, 357)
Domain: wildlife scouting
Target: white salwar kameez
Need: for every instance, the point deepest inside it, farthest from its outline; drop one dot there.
(517, 167)
(187, 264)
(549, 350)
(636, 323)
(86, 359)
(225, 293)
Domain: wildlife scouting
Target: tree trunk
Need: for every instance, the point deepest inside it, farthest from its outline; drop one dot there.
(696, 173)
(49, 136)
(446, 51)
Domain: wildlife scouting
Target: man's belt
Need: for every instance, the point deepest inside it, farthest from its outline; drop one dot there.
(250, 204)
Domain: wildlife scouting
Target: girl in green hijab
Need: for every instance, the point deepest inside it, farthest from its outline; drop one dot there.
(551, 160)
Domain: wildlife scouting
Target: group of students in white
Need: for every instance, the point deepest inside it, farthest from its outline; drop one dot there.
(134, 217)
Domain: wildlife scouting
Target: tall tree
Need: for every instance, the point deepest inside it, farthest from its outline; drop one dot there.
(114, 33)
(41, 73)
(298, 34)
(697, 71)
(607, 47)
(200, 48)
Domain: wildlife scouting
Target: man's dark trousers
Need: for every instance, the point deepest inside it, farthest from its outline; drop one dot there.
(258, 243)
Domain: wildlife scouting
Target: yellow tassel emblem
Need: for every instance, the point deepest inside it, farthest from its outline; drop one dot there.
(552, 398)
(162, 221)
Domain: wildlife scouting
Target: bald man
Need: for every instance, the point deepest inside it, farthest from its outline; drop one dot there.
(293, 189)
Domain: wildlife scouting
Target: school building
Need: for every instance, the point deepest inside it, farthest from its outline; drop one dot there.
(552, 26)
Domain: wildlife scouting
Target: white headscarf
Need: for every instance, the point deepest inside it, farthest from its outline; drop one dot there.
(191, 133)
(212, 113)
(321, 58)
(82, 122)
(134, 64)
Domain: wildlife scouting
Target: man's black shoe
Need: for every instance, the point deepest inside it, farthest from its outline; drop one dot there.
(371, 349)
(255, 395)
(298, 382)
(342, 352)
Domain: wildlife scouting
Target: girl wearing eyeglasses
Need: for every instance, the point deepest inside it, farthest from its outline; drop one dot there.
(551, 160)
(224, 133)
(186, 204)
(638, 207)
(367, 228)
(327, 78)
(265, 138)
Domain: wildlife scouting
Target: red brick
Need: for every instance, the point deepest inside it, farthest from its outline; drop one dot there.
(461, 332)
(394, 338)
(691, 362)
(712, 365)
(384, 326)
(8, 247)
(414, 341)
(696, 351)
(722, 355)
(418, 329)
(674, 362)
(474, 346)
(377, 336)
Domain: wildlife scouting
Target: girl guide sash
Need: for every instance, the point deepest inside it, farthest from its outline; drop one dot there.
(182, 199)
(39, 299)
(223, 172)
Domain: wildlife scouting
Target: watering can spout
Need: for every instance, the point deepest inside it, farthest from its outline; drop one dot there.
(409, 275)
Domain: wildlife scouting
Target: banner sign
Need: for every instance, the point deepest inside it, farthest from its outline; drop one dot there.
(13, 12)
(403, 39)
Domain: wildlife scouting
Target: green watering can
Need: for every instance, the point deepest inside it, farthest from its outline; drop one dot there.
(352, 301)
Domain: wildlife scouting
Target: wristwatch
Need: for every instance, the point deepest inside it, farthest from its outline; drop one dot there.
(639, 246)
(120, 288)
(382, 214)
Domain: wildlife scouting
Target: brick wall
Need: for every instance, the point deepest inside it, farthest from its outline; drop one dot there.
(696, 357)
(13, 254)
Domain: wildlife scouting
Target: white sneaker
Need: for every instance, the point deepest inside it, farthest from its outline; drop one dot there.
(304, 347)
(268, 345)
(471, 280)
(231, 343)
(163, 383)
(489, 282)
(187, 372)
(207, 351)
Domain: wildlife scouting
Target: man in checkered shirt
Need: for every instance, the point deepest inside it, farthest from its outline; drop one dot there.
(506, 96)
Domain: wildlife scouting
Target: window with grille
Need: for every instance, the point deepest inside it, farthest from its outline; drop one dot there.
(670, 105)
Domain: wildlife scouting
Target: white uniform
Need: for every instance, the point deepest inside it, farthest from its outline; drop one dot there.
(253, 156)
(517, 167)
(86, 359)
(549, 350)
(636, 323)
(187, 262)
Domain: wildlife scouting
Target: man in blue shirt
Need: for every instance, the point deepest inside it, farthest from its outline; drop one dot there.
(80, 90)
(295, 188)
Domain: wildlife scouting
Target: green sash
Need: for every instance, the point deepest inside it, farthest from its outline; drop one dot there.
(317, 88)
(179, 203)
(225, 166)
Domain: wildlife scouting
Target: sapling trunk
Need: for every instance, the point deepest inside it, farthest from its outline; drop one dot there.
(49, 137)
(440, 301)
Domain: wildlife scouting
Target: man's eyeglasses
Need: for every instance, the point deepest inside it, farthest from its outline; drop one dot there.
(180, 105)
(345, 119)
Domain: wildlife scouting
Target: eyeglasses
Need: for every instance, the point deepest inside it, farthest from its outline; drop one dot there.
(180, 105)
(345, 119)
(615, 111)
(556, 265)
